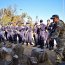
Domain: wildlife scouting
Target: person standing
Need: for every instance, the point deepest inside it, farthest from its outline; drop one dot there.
(58, 33)
(22, 34)
(35, 34)
(42, 34)
(50, 41)
(28, 34)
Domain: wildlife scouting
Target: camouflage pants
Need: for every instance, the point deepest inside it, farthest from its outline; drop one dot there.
(60, 48)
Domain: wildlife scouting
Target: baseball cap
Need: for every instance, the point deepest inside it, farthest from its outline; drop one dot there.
(53, 16)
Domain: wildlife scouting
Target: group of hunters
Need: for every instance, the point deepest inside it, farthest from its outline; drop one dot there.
(41, 35)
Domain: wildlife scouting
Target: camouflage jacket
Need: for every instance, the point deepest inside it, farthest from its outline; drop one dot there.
(59, 31)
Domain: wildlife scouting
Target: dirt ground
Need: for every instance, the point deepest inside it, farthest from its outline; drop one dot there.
(51, 54)
(27, 52)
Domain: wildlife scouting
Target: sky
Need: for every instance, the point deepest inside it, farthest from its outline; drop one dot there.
(44, 9)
